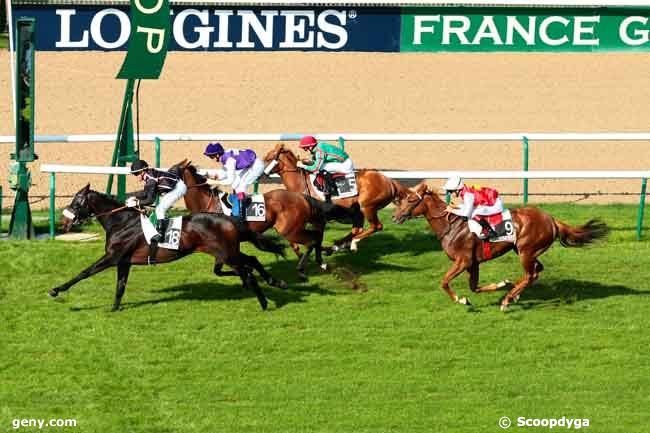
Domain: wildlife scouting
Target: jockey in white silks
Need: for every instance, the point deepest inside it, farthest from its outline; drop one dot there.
(241, 168)
(477, 202)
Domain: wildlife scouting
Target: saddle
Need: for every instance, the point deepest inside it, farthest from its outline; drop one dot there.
(325, 182)
(497, 227)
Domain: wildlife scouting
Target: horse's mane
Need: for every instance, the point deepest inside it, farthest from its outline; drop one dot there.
(199, 177)
(176, 170)
(110, 199)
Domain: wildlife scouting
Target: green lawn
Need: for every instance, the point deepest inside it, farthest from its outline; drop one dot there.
(4, 40)
(194, 353)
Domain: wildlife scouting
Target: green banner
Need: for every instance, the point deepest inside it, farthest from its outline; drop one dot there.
(150, 34)
(525, 29)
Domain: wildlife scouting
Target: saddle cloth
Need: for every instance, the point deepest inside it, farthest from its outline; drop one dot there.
(502, 224)
(346, 185)
(171, 237)
(255, 211)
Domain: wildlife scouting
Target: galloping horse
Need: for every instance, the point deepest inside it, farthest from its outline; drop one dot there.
(203, 232)
(287, 212)
(535, 233)
(376, 191)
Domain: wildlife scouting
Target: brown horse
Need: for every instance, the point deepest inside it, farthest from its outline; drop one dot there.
(376, 191)
(126, 245)
(535, 230)
(287, 212)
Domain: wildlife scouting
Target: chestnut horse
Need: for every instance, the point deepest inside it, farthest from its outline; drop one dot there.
(288, 212)
(376, 191)
(126, 245)
(536, 231)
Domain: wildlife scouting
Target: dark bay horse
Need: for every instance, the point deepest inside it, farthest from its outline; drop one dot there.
(376, 191)
(536, 231)
(203, 232)
(289, 213)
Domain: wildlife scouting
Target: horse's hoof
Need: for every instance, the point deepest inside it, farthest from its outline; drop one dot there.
(464, 301)
(323, 267)
(302, 277)
(353, 246)
(503, 284)
(515, 299)
(504, 307)
(264, 304)
(281, 284)
(53, 293)
(115, 308)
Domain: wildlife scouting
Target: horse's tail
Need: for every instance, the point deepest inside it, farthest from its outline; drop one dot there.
(581, 235)
(268, 243)
(332, 212)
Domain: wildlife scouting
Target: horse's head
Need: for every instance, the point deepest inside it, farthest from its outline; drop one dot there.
(412, 205)
(78, 210)
(278, 159)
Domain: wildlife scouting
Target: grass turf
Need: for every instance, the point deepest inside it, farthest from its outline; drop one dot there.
(191, 352)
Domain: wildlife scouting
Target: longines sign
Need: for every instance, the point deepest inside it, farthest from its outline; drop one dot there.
(208, 28)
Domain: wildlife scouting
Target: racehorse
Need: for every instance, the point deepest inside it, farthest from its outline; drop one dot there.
(376, 191)
(535, 233)
(203, 232)
(288, 212)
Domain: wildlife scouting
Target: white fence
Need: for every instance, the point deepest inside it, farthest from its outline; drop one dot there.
(540, 174)
(510, 136)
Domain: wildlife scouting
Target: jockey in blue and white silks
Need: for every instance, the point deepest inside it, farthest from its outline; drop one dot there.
(241, 169)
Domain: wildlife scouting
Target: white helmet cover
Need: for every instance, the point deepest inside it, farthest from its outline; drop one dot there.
(453, 183)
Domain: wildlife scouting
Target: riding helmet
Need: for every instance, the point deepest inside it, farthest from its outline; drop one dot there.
(213, 149)
(307, 141)
(139, 166)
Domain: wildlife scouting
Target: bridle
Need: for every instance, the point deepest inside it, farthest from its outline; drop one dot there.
(451, 218)
(82, 213)
(275, 161)
(199, 185)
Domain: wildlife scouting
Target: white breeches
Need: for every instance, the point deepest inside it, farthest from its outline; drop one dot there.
(248, 176)
(168, 200)
(496, 208)
(339, 167)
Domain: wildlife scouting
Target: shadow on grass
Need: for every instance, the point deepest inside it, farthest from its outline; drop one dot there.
(218, 292)
(366, 260)
(569, 291)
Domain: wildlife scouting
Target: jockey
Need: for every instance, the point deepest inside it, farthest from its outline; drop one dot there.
(326, 158)
(156, 182)
(242, 168)
(477, 202)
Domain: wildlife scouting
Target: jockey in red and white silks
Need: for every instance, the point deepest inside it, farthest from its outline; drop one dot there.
(477, 201)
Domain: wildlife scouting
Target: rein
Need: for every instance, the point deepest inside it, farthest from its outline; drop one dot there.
(110, 212)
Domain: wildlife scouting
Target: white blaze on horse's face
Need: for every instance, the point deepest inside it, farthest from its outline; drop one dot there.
(69, 218)
(269, 168)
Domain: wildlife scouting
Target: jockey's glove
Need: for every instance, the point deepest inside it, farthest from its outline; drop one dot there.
(132, 202)
(300, 164)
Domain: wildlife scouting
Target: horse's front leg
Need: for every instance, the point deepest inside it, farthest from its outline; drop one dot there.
(460, 265)
(103, 263)
(473, 281)
(123, 270)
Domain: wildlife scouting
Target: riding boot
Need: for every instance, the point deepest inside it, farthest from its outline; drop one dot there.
(162, 226)
(153, 249)
(243, 204)
(327, 186)
(490, 231)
